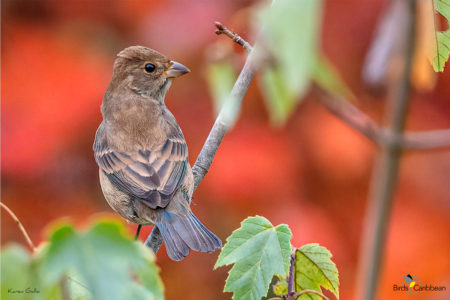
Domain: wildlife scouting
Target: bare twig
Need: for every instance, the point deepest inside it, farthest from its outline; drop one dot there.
(355, 118)
(233, 36)
(24, 232)
(225, 120)
(384, 177)
(426, 140)
(295, 295)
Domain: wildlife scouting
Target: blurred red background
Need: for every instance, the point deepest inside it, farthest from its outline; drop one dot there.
(312, 174)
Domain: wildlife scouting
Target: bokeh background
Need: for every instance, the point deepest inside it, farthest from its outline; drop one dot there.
(313, 173)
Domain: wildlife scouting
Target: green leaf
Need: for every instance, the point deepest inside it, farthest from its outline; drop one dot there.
(221, 77)
(148, 273)
(104, 260)
(258, 251)
(313, 269)
(442, 51)
(290, 31)
(19, 276)
(15, 272)
(279, 100)
(328, 78)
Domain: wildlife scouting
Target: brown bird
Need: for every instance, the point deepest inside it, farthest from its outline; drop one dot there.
(142, 154)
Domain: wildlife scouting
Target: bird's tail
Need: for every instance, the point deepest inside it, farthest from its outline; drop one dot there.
(181, 233)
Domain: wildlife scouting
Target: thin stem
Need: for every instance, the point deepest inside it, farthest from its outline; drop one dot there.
(426, 140)
(291, 276)
(22, 229)
(385, 177)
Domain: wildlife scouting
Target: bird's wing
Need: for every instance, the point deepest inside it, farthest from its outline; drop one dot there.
(150, 175)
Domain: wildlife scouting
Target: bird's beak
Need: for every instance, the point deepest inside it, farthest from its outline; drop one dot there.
(176, 69)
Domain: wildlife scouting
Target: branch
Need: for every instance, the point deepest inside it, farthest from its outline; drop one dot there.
(24, 232)
(225, 120)
(385, 175)
(427, 139)
(233, 36)
(355, 118)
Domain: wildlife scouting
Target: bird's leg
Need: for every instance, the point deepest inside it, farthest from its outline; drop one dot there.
(136, 237)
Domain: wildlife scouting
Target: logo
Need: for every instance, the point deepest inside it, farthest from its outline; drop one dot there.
(412, 285)
(411, 282)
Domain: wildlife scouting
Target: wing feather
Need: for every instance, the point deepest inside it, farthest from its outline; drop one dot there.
(152, 175)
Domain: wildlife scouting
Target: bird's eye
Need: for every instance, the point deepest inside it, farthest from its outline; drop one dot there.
(149, 68)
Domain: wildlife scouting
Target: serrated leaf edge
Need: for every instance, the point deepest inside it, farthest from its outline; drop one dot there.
(329, 255)
(218, 264)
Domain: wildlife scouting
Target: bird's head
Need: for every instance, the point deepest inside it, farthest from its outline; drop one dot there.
(145, 71)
